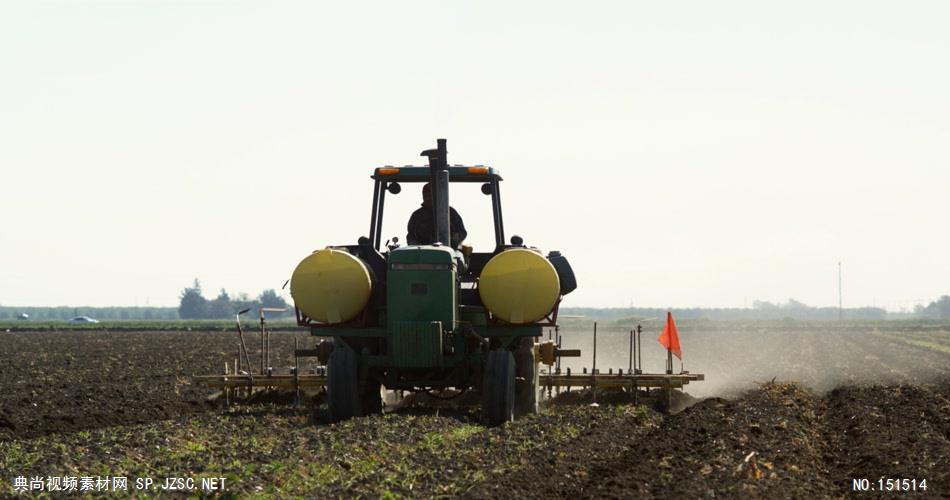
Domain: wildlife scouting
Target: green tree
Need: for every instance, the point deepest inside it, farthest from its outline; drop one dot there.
(221, 307)
(794, 304)
(192, 304)
(269, 298)
(939, 308)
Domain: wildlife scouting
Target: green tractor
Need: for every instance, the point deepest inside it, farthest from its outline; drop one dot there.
(431, 317)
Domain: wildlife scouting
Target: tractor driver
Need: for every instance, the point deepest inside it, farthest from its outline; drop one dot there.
(422, 223)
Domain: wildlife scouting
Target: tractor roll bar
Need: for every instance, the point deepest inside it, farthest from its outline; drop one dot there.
(439, 178)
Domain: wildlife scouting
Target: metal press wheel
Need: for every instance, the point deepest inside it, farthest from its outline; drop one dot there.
(371, 400)
(526, 378)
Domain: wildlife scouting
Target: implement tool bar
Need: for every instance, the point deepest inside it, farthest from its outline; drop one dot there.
(243, 380)
(545, 380)
(602, 380)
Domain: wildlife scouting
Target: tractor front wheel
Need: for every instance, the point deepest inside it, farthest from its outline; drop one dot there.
(343, 395)
(498, 388)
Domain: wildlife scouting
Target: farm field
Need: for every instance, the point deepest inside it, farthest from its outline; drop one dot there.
(788, 409)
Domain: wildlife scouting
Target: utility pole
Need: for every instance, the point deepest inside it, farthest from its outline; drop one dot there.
(840, 310)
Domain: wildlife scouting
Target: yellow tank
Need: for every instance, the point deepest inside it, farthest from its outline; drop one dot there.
(519, 286)
(331, 286)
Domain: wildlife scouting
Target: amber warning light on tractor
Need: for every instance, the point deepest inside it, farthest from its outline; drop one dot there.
(479, 170)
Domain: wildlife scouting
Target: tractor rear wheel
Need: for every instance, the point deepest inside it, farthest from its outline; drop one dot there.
(343, 394)
(526, 378)
(498, 388)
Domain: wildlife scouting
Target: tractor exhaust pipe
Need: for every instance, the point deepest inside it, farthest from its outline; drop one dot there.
(439, 182)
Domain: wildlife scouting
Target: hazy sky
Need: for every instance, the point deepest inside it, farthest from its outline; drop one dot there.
(679, 153)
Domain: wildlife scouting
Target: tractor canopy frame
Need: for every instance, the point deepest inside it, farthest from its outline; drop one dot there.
(385, 176)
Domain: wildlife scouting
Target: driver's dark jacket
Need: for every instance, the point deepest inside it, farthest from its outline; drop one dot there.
(422, 227)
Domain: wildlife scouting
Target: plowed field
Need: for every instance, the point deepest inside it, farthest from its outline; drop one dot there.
(788, 410)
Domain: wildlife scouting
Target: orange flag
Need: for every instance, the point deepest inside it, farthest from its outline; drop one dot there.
(669, 338)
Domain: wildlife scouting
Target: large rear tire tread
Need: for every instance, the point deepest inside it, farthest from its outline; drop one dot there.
(343, 394)
(498, 388)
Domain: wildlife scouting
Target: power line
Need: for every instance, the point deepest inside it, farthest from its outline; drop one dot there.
(840, 308)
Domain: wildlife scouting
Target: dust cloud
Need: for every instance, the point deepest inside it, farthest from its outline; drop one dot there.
(735, 356)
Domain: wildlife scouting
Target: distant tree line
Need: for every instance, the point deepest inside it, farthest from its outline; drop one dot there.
(100, 313)
(761, 310)
(193, 305)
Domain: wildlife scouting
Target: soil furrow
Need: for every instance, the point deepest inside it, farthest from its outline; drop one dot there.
(867, 406)
(897, 432)
(762, 445)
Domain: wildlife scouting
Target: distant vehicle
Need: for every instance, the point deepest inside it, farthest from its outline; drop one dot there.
(23, 316)
(82, 319)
